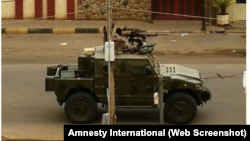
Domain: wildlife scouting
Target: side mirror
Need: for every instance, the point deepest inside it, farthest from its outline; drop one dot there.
(148, 70)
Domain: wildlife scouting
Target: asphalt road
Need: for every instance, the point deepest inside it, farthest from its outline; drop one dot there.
(27, 108)
(28, 112)
(63, 48)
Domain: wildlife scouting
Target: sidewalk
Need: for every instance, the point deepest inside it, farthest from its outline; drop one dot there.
(96, 26)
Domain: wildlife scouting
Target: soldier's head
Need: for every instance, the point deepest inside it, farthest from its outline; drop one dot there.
(119, 31)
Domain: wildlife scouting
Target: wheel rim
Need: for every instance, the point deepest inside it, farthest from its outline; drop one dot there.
(80, 108)
(180, 109)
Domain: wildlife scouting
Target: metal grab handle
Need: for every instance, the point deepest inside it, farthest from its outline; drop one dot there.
(57, 72)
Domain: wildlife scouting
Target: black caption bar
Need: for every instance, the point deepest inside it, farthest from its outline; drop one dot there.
(73, 132)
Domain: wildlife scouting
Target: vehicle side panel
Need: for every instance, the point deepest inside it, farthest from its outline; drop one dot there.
(63, 86)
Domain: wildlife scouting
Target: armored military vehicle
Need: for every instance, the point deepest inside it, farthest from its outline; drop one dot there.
(136, 77)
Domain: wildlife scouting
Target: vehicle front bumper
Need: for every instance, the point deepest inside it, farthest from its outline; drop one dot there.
(206, 94)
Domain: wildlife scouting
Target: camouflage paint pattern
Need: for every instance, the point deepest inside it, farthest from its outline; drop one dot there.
(63, 86)
(132, 86)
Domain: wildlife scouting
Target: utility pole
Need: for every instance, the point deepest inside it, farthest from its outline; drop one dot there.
(161, 101)
(203, 28)
(210, 12)
(112, 116)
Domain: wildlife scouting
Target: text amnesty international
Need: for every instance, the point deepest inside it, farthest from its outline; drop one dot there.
(170, 133)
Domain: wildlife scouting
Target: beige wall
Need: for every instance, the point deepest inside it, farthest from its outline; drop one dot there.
(44, 9)
(237, 12)
(29, 9)
(76, 9)
(60, 9)
(8, 10)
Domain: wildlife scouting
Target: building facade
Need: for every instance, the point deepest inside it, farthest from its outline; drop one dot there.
(142, 10)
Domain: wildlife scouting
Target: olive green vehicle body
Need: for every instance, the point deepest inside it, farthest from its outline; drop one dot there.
(133, 86)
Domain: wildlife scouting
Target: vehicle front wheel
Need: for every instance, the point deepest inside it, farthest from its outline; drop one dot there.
(81, 108)
(180, 108)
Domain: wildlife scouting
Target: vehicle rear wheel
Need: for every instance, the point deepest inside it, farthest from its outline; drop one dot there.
(180, 108)
(81, 108)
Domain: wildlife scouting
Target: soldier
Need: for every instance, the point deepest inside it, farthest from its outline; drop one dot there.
(120, 40)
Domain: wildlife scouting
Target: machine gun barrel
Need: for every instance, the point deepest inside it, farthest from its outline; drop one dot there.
(152, 34)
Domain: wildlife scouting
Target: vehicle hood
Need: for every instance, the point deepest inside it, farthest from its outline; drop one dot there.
(178, 72)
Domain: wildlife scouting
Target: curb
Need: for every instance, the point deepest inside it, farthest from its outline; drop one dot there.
(50, 30)
(235, 31)
(56, 30)
(77, 31)
(93, 30)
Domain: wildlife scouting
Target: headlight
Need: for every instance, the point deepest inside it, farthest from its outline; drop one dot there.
(198, 86)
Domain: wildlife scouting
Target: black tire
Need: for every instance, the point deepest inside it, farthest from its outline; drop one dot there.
(180, 108)
(81, 108)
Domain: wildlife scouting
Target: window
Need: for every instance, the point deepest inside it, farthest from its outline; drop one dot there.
(137, 67)
(105, 68)
(241, 1)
